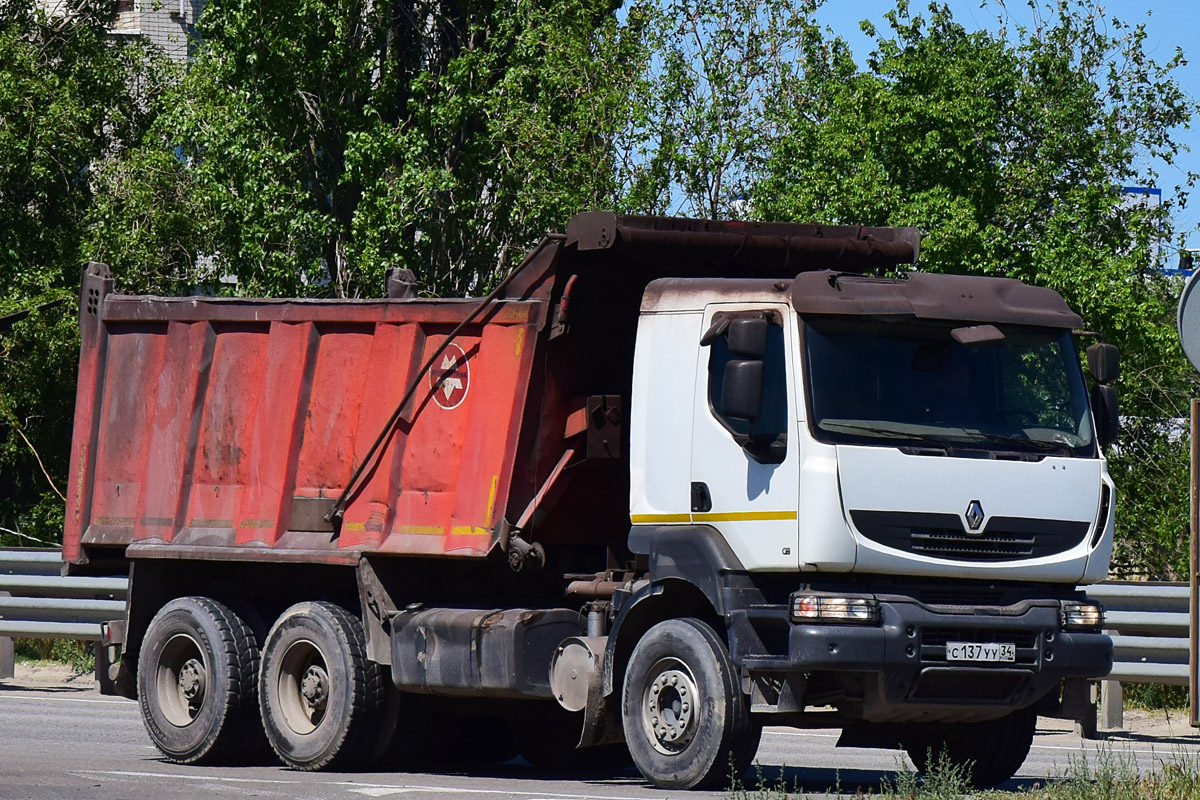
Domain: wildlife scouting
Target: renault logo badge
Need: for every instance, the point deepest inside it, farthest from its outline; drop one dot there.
(974, 515)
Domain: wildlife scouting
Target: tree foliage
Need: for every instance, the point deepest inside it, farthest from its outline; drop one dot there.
(701, 122)
(326, 140)
(70, 97)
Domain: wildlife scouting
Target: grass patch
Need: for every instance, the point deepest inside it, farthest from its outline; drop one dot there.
(1114, 776)
(1155, 696)
(944, 780)
(76, 655)
(1108, 776)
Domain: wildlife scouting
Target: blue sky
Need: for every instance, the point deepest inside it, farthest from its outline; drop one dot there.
(1169, 24)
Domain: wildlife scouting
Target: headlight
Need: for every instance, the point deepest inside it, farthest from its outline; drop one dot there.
(833, 608)
(1082, 616)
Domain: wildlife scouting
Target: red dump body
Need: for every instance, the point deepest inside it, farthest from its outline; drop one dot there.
(227, 428)
(229, 423)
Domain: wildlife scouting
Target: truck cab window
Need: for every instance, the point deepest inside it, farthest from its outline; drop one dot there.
(772, 423)
(893, 384)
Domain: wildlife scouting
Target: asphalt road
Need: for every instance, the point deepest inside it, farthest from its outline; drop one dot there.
(71, 743)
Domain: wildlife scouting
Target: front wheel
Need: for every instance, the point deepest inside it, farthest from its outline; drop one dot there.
(323, 701)
(686, 720)
(989, 752)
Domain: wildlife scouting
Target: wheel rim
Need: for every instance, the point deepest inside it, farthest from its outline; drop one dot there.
(669, 705)
(181, 679)
(303, 686)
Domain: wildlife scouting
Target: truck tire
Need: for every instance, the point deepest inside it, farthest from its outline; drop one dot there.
(686, 721)
(197, 684)
(991, 752)
(323, 701)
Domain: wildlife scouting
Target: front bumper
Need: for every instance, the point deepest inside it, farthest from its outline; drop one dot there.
(898, 670)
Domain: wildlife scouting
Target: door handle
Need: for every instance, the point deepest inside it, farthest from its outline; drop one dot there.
(701, 499)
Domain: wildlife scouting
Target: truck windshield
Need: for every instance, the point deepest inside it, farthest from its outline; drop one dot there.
(910, 384)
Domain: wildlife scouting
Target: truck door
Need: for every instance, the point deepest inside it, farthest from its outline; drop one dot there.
(745, 476)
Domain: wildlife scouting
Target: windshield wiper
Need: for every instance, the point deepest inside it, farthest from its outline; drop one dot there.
(966, 438)
(885, 432)
(1036, 444)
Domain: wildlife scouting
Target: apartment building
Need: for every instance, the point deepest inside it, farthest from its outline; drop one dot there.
(170, 24)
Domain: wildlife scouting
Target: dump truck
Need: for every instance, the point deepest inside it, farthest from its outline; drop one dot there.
(672, 480)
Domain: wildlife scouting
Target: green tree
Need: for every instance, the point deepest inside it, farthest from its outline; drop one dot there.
(323, 141)
(70, 96)
(701, 126)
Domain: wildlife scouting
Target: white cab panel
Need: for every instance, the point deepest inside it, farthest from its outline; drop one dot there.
(660, 433)
(826, 544)
(886, 479)
(753, 504)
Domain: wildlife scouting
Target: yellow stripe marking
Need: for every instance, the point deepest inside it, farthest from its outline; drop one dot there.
(469, 530)
(492, 499)
(354, 526)
(743, 516)
(421, 530)
(520, 340)
(115, 522)
(730, 516)
(639, 519)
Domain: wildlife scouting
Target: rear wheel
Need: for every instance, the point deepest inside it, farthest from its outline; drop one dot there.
(990, 752)
(323, 701)
(686, 720)
(197, 683)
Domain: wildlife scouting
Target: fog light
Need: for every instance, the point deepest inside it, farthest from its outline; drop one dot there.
(831, 608)
(1082, 616)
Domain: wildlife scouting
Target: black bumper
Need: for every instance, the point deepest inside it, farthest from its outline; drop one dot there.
(898, 670)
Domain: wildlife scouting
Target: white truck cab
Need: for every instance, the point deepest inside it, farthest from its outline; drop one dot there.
(893, 447)
(890, 489)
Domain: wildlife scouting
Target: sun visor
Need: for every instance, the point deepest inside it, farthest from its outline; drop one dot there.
(923, 295)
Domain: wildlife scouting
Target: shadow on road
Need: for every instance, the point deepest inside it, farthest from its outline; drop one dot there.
(1127, 736)
(56, 689)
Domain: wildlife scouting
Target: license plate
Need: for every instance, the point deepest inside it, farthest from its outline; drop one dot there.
(971, 651)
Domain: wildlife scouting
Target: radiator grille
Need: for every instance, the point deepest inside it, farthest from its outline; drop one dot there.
(943, 535)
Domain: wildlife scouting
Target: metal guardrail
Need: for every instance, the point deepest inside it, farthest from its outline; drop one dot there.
(1149, 626)
(37, 601)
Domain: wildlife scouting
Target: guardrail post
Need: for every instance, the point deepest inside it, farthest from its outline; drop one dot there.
(8, 663)
(8, 666)
(1079, 704)
(105, 683)
(1112, 706)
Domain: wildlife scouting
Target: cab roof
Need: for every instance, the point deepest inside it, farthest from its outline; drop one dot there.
(923, 295)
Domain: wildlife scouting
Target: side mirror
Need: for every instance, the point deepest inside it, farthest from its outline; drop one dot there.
(1104, 409)
(742, 389)
(1104, 363)
(747, 337)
